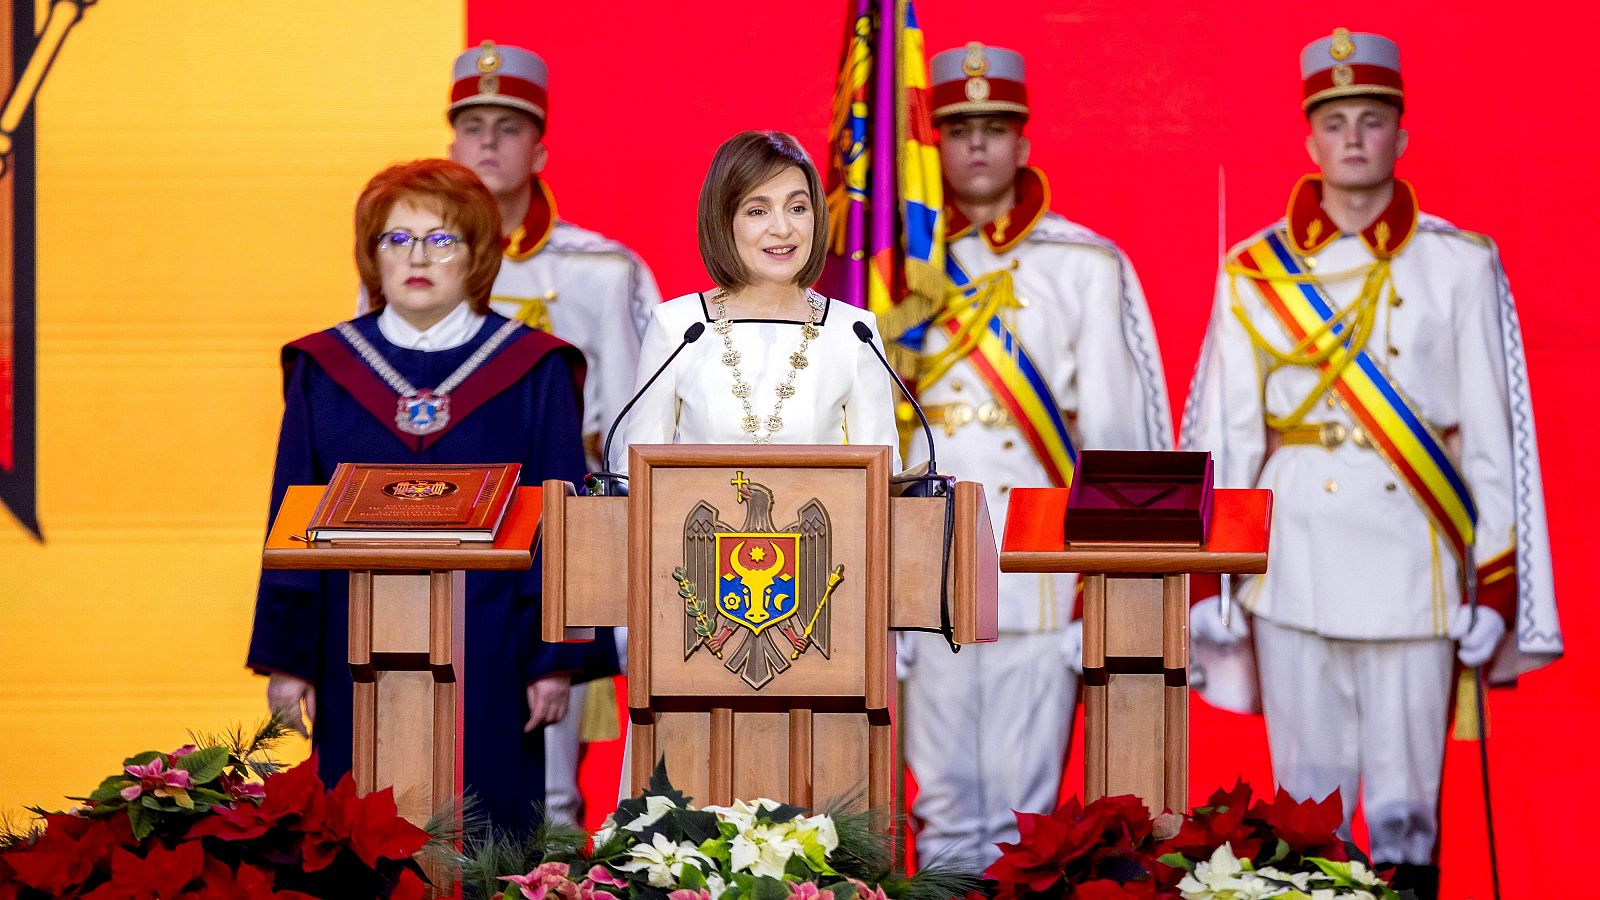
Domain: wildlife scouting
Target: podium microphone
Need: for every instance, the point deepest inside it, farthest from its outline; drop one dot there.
(865, 334)
(606, 481)
(931, 484)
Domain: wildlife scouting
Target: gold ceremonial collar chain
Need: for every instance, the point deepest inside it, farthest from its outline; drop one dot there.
(752, 423)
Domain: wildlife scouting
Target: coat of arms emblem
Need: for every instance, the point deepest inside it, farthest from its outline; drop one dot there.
(764, 587)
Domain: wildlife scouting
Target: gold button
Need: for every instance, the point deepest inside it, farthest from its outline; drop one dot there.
(1391, 487)
(955, 387)
(1008, 445)
(1328, 401)
(1331, 486)
(1396, 300)
(1311, 262)
(1005, 488)
(1394, 351)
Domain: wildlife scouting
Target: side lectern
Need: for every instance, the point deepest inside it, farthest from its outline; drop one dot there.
(407, 639)
(1135, 525)
(759, 586)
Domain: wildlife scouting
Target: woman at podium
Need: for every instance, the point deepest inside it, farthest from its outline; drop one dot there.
(429, 375)
(778, 362)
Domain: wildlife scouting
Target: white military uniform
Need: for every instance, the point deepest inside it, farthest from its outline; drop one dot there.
(1351, 616)
(588, 290)
(987, 729)
(591, 292)
(597, 295)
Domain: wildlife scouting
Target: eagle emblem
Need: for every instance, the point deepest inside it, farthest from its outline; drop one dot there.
(760, 587)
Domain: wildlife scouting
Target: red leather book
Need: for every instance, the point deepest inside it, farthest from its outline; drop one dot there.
(373, 502)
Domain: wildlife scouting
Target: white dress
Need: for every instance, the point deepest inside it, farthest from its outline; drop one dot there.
(843, 395)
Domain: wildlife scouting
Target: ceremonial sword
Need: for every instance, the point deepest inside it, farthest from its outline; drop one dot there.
(1469, 577)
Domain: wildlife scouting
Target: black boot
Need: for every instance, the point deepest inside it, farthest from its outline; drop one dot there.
(1421, 881)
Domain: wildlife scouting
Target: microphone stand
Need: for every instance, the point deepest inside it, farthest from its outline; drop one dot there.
(608, 483)
(929, 484)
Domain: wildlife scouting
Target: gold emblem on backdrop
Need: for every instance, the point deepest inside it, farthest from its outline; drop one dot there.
(764, 588)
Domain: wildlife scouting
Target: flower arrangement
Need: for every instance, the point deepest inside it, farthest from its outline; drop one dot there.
(1229, 849)
(217, 819)
(659, 846)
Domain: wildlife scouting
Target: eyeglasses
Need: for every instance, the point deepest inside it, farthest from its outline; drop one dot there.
(437, 246)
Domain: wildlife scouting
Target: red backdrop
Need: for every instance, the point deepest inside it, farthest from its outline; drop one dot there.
(1140, 110)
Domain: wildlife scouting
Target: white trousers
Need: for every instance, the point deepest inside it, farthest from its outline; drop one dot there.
(986, 732)
(1360, 715)
(563, 802)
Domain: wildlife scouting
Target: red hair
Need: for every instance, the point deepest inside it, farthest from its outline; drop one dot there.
(440, 186)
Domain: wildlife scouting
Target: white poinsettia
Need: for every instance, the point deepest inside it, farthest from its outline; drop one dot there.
(1226, 877)
(1300, 880)
(608, 830)
(654, 808)
(764, 849)
(821, 827)
(1364, 876)
(662, 860)
(1213, 875)
(742, 814)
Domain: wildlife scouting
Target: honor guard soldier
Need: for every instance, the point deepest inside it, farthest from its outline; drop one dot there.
(588, 290)
(1045, 345)
(1364, 362)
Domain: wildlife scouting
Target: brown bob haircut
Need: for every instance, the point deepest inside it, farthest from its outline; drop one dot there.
(461, 201)
(742, 163)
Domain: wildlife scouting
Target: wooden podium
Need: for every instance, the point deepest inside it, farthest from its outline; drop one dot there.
(759, 585)
(407, 631)
(1136, 632)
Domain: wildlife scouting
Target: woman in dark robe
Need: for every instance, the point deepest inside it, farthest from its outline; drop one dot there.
(429, 375)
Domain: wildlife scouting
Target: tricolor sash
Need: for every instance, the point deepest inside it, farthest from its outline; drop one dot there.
(999, 358)
(1398, 432)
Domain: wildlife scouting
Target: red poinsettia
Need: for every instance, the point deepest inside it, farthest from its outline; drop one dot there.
(284, 828)
(1074, 845)
(1309, 827)
(67, 853)
(1106, 889)
(370, 826)
(1254, 829)
(162, 872)
(290, 795)
(1222, 820)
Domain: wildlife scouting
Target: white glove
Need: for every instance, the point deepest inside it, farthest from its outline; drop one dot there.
(904, 655)
(1072, 645)
(1476, 638)
(1205, 623)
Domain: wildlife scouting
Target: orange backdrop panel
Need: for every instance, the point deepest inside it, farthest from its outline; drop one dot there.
(197, 168)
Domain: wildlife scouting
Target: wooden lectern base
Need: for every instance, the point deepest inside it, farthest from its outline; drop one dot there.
(799, 756)
(407, 648)
(1136, 633)
(1136, 688)
(406, 644)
